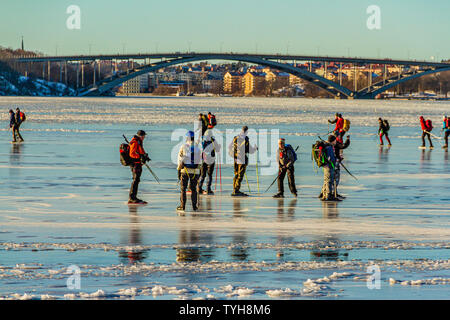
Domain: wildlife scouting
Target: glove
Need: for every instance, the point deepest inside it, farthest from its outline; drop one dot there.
(145, 158)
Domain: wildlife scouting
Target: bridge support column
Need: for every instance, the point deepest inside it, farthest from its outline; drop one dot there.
(60, 71)
(82, 74)
(78, 73)
(93, 75)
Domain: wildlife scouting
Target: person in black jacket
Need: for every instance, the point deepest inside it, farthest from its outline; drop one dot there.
(337, 172)
(383, 131)
(286, 161)
(14, 125)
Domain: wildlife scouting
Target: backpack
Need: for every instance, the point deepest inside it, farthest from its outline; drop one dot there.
(212, 121)
(22, 117)
(346, 126)
(317, 153)
(289, 147)
(428, 125)
(205, 145)
(386, 125)
(125, 158)
(447, 123)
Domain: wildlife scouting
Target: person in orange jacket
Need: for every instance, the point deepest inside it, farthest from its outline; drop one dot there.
(139, 156)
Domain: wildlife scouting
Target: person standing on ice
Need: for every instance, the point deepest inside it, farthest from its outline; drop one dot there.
(189, 162)
(383, 131)
(426, 129)
(329, 170)
(239, 149)
(286, 159)
(15, 121)
(210, 149)
(139, 156)
(338, 130)
(338, 147)
(446, 129)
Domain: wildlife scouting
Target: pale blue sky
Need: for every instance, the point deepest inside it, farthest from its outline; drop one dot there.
(409, 28)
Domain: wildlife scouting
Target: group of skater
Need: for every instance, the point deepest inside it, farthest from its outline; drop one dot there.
(197, 158)
(427, 127)
(196, 162)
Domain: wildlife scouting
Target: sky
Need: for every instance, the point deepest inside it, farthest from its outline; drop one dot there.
(413, 29)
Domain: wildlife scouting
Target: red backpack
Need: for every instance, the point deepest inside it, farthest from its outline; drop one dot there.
(428, 125)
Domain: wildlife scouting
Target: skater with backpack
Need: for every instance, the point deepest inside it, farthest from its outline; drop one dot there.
(426, 126)
(446, 129)
(324, 156)
(209, 150)
(339, 131)
(383, 131)
(133, 155)
(212, 122)
(286, 158)
(189, 162)
(15, 121)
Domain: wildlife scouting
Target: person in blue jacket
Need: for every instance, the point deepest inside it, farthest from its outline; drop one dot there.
(446, 129)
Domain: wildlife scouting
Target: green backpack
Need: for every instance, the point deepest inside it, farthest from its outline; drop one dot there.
(317, 153)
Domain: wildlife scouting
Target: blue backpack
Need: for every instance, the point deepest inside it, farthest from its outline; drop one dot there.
(289, 147)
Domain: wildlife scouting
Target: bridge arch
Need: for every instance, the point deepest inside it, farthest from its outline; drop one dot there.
(333, 88)
(372, 94)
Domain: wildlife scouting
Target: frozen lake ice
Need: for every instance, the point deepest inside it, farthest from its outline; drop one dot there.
(64, 193)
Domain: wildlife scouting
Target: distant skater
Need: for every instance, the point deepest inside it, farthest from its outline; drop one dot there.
(286, 159)
(426, 126)
(14, 127)
(189, 162)
(20, 118)
(446, 129)
(383, 130)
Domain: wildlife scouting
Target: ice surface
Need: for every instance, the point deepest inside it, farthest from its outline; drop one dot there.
(63, 195)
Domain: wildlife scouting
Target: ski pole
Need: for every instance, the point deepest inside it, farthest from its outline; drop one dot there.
(248, 185)
(436, 137)
(153, 174)
(348, 171)
(272, 182)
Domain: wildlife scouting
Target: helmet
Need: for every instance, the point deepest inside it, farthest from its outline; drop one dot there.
(190, 134)
(141, 133)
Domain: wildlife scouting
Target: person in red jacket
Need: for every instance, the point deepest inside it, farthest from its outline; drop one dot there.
(426, 129)
(338, 131)
(139, 156)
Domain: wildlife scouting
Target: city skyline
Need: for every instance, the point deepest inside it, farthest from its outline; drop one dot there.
(408, 30)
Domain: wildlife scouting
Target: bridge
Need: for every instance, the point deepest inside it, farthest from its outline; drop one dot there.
(409, 69)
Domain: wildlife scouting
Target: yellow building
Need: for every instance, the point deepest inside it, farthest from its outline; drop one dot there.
(232, 82)
(294, 80)
(253, 83)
